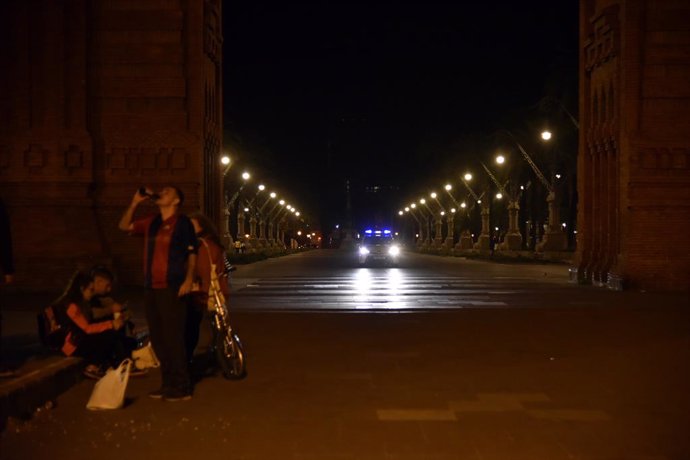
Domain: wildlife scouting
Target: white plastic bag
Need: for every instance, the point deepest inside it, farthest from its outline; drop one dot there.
(145, 357)
(109, 391)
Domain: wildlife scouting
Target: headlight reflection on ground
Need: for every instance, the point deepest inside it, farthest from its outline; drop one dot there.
(390, 283)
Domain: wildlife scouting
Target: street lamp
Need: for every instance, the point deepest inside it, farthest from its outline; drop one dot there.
(546, 135)
(225, 160)
(246, 175)
(468, 177)
(500, 159)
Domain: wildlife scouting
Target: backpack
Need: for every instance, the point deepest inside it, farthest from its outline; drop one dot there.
(51, 333)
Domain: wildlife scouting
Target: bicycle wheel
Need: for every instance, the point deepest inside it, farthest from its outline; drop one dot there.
(230, 356)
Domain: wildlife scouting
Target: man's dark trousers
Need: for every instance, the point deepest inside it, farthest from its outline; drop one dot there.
(166, 314)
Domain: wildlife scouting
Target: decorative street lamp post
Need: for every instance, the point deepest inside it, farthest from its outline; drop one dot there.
(513, 238)
(422, 230)
(484, 240)
(438, 222)
(554, 238)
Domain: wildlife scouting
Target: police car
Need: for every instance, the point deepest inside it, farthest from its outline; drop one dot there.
(378, 245)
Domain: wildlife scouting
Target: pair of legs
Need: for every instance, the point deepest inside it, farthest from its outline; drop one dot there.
(105, 349)
(166, 315)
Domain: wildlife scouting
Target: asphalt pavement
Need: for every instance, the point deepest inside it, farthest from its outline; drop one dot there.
(438, 358)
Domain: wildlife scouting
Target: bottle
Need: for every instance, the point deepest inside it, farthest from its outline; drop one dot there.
(151, 195)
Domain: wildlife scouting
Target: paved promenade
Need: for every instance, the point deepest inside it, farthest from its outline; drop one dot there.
(525, 366)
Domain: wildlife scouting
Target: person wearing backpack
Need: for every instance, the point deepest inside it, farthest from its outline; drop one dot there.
(98, 342)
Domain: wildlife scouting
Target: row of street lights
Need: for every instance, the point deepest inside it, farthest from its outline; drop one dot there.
(267, 224)
(429, 219)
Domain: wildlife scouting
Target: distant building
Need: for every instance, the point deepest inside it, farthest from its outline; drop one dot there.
(99, 97)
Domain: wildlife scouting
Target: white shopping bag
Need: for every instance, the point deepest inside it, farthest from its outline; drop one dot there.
(145, 357)
(109, 391)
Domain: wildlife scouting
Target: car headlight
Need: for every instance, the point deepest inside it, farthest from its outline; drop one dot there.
(394, 250)
(363, 251)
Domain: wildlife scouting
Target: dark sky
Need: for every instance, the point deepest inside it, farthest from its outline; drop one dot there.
(380, 94)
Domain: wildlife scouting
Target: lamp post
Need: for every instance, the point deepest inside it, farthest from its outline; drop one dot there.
(424, 238)
(270, 223)
(429, 221)
(263, 242)
(273, 223)
(554, 238)
(225, 212)
(240, 215)
(410, 210)
(438, 221)
(484, 240)
(513, 238)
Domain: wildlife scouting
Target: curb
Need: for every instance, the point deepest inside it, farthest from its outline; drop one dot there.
(21, 396)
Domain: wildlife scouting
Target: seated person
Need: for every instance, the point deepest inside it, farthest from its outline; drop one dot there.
(103, 306)
(99, 342)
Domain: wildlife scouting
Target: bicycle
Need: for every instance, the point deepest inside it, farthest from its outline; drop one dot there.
(226, 345)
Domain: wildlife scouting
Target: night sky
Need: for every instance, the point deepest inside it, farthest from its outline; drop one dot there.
(384, 95)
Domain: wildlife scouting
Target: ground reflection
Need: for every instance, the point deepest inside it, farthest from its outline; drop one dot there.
(379, 288)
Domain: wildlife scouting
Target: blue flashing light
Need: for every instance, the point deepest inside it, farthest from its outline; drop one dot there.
(378, 232)
(387, 232)
(368, 232)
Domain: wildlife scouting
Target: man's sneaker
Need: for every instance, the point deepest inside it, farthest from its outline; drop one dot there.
(93, 372)
(158, 394)
(177, 395)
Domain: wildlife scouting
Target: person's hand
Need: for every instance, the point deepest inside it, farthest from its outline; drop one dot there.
(9, 279)
(185, 289)
(138, 198)
(118, 323)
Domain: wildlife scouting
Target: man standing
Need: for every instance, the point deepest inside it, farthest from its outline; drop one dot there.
(170, 247)
(6, 268)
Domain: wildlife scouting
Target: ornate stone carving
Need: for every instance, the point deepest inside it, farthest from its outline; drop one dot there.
(74, 158)
(603, 43)
(212, 32)
(35, 156)
(662, 158)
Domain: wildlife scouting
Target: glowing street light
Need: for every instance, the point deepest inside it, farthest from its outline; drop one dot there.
(463, 205)
(546, 135)
(422, 201)
(400, 213)
(273, 195)
(262, 187)
(433, 195)
(499, 196)
(246, 175)
(500, 159)
(448, 187)
(468, 176)
(225, 160)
